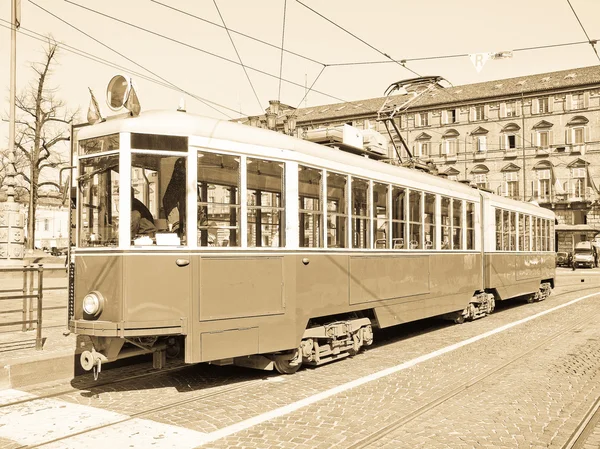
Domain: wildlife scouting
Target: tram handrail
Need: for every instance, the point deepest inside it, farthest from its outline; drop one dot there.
(29, 291)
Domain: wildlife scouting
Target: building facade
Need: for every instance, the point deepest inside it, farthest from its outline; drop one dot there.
(532, 138)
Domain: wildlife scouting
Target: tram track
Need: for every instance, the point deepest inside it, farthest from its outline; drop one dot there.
(578, 438)
(141, 414)
(461, 387)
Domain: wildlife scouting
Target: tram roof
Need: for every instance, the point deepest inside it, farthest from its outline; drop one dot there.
(177, 123)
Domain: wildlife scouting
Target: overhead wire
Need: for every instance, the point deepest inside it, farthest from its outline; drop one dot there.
(356, 37)
(200, 49)
(592, 43)
(282, 42)
(238, 54)
(236, 32)
(84, 54)
(124, 56)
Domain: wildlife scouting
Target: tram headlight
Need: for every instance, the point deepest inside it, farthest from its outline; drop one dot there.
(93, 303)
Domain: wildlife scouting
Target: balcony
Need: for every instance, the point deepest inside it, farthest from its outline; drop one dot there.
(578, 149)
(566, 197)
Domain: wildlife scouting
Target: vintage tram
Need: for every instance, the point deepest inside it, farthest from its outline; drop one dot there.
(226, 243)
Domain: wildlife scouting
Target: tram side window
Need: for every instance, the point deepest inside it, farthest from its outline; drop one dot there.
(470, 225)
(337, 217)
(398, 217)
(310, 206)
(266, 220)
(526, 233)
(499, 231)
(456, 224)
(218, 194)
(99, 200)
(429, 231)
(446, 224)
(546, 245)
(538, 241)
(361, 213)
(513, 231)
(505, 230)
(380, 223)
(415, 201)
(519, 230)
(159, 186)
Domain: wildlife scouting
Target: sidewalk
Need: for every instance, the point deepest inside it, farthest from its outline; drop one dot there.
(20, 363)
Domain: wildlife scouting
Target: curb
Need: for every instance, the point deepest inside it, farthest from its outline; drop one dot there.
(25, 372)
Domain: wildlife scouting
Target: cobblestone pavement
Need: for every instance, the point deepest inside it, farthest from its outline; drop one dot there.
(536, 401)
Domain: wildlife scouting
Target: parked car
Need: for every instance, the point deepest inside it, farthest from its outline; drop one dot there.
(563, 259)
(585, 255)
(60, 251)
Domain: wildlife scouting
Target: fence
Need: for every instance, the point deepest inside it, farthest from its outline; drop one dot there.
(30, 291)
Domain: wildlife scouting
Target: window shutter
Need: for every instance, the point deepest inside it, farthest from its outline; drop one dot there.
(550, 138)
(586, 99)
(502, 110)
(417, 119)
(535, 106)
(505, 186)
(534, 140)
(444, 117)
(586, 134)
(502, 139)
(568, 136)
(551, 103)
(518, 108)
(441, 149)
(483, 143)
(486, 111)
(534, 188)
(457, 115)
(569, 102)
(471, 114)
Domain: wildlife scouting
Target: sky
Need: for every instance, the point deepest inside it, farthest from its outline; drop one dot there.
(198, 66)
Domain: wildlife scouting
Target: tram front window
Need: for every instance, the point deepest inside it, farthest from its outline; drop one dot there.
(99, 200)
(158, 202)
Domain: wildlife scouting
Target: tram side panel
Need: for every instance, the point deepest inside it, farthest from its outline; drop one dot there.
(399, 288)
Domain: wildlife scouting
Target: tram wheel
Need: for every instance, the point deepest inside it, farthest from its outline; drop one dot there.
(288, 365)
(460, 318)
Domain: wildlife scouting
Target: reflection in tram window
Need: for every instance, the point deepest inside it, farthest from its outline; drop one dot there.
(360, 213)
(499, 231)
(470, 225)
(457, 224)
(399, 206)
(415, 200)
(446, 225)
(310, 207)
(218, 199)
(538, 233)
(266, 221)
(380, 223)
(337, 217)
(159, 184)
(526, 233)
(429, 231)
(505, 230)
(513, 231)
(99, 199)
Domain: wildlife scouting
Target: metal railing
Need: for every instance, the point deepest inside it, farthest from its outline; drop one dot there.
(30, 291)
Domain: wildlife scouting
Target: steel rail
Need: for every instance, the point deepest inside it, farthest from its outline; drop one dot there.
(578, 438)
(460, 387)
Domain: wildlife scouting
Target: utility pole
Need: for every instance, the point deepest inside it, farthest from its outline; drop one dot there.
(523, 145)
(11, 220)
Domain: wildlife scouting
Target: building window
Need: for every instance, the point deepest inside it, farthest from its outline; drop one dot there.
(543, 105)
(543, 139)
(449, 147)
(481, 144)
(578, 135)
(450, 116)
(511, 141)
(577, 101)
(578, 178)
(543, 184)
(511, 184)
(423, 119)
(422, 149)
(479, 113)
(481, 180)
(511, 109)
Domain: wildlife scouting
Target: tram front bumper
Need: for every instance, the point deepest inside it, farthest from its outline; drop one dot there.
(127, 328)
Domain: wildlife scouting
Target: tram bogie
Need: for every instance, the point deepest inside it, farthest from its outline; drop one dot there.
(221, 243)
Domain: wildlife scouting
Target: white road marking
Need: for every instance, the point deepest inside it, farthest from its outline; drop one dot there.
(290, 408)
(42, 420)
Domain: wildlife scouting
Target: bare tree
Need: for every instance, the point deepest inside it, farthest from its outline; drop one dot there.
(42, 124)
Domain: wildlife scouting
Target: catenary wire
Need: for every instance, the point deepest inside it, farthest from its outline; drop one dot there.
(238, 54)
(122, 55)
(592, 43)
(358, 38)
(202, 50)
(69, 48)
(236, 32)
(282, 42)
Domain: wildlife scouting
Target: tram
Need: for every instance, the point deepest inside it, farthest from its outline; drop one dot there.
(218, 242)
